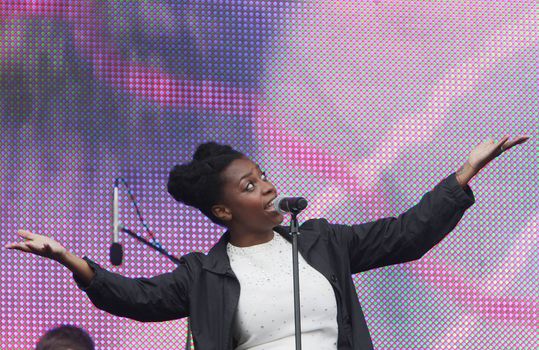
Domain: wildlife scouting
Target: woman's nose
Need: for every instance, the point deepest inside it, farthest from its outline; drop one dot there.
(269, 188)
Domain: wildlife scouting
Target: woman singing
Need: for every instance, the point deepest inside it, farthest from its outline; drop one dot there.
(240, 294)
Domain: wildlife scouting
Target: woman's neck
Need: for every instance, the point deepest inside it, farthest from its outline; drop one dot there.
(243, 239)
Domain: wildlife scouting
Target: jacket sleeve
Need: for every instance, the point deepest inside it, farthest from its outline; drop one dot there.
(160, 298)
(408, 237)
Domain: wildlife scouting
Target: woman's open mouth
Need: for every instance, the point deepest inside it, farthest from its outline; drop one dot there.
(270, 206)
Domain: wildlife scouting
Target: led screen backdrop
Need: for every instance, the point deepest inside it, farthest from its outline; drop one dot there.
(359, 106)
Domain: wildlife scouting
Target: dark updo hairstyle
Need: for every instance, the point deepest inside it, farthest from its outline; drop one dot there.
(198, 183)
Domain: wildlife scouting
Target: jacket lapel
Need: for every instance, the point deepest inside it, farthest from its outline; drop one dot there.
(217, 260)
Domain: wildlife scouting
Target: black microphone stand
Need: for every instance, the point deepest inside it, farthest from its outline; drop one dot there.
(294, 231)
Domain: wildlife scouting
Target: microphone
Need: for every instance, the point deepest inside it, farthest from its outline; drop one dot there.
(116, 250)
(289, 204)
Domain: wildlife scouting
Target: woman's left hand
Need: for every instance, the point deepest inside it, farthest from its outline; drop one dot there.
(489, 149)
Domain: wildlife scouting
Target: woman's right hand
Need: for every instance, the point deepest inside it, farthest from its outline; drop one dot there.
(49, 248)
(39, 245)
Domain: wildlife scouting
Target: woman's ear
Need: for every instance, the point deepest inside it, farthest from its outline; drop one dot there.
(222, 212)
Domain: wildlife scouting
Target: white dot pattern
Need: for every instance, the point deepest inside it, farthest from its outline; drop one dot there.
(265, 314)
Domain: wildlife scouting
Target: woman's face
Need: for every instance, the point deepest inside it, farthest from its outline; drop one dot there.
(247, 202)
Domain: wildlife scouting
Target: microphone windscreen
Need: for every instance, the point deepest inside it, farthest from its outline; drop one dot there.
(301, 203)
(277, 204)
(116, 254)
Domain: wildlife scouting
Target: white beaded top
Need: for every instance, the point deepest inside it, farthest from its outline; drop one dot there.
(264, 318)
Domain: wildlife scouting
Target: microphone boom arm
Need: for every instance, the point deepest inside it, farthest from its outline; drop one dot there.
(152, 245)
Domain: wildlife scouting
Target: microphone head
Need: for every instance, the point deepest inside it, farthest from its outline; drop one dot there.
(289, 204)
(277, 204)
(301, 203)
(116, 254)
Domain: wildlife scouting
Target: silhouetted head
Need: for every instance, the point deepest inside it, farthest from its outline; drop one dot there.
(65, 337)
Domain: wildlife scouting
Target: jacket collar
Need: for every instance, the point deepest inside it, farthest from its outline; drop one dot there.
(217, 258)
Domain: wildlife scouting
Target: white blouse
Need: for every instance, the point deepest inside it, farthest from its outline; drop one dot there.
(265, 315)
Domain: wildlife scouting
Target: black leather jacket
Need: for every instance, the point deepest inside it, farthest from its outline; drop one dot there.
(205, 288)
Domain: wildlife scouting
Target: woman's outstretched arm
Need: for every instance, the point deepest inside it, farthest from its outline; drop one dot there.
(159, 298)
(407, 237)
(49, 248)
(395, 240)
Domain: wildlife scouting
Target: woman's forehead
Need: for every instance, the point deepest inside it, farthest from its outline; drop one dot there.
(239, 169)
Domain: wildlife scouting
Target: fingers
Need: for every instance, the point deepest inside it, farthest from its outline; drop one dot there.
(500, 143)
(519, 140)
(31, 247)
(25, 234)
(19, 246)
(27, 245)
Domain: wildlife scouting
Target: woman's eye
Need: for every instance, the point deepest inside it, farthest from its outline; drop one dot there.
(250, 186)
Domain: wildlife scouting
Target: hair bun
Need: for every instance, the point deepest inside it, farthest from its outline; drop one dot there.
(198, 183)
(210, 150)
